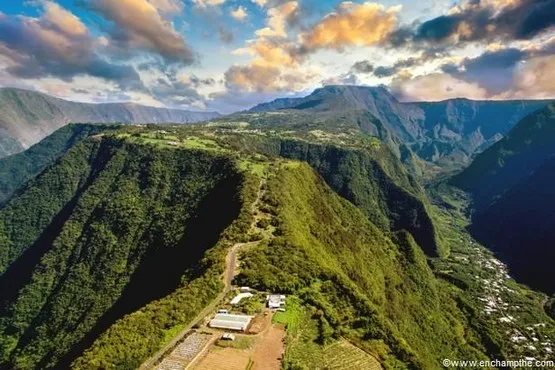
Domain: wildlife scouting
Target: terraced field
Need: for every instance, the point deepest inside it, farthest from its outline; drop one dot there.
(343, 355)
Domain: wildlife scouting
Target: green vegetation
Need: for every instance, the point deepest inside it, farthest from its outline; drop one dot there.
(17, 169)
(130, 213)
(291, 318)
(240, 342)
(393, 307)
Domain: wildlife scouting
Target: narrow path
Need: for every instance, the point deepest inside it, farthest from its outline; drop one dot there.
(229, 274)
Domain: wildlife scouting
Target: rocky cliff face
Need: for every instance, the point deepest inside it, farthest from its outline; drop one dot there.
(27, 117)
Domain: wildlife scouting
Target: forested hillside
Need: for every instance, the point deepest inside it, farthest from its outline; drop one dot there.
(360, 282)
(17, 169)
(82, 243)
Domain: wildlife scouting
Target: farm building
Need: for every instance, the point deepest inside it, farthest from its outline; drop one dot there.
(275, 300)
(230, 322)
(240, 297)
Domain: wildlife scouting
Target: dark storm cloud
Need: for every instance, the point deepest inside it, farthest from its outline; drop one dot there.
(502, 59)
(493, 70)
(477, 20)
(364, 66)
(531, 19)
(438, 28)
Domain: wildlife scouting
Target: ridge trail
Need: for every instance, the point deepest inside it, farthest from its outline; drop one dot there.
(227, 277)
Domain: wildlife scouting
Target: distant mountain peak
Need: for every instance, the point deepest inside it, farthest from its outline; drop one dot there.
(332, 97)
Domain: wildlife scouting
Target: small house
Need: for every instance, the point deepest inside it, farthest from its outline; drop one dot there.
(275, 300)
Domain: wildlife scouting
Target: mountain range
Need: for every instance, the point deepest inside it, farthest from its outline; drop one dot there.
(27, 117)
(448, 132)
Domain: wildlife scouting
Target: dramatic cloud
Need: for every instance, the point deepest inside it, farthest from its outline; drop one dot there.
(535, 78)
(56, 44)
(270, 53)
(363, 66)
(493, 69)
(474, 20)
(150, 50)
(266, 79)
(239, 14)
(352, 25)
(385, 71)
(278, 18)
(140, 25)
(346, 79)
(434, 87)
(168, 6)
(274, 58)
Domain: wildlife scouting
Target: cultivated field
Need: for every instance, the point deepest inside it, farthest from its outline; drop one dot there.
(185, 352)
(343, 355)
(224, 359)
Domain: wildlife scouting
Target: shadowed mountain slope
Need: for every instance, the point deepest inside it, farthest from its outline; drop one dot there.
(512, 186)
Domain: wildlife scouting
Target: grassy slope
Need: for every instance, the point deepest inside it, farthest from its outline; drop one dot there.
(131, 212)
(393, 306)
(368, 174)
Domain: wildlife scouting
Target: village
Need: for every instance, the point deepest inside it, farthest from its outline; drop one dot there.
(498, 296)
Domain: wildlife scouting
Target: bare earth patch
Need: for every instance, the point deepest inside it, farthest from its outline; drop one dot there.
(224, 359)
(268, 351)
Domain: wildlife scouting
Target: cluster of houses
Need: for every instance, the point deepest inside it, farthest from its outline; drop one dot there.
(495, 305)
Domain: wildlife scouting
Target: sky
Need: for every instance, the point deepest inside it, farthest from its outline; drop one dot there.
(229, 55)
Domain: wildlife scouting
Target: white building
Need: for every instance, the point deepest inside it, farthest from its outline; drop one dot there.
(230, 322)
(240, 297)
(275, 300)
